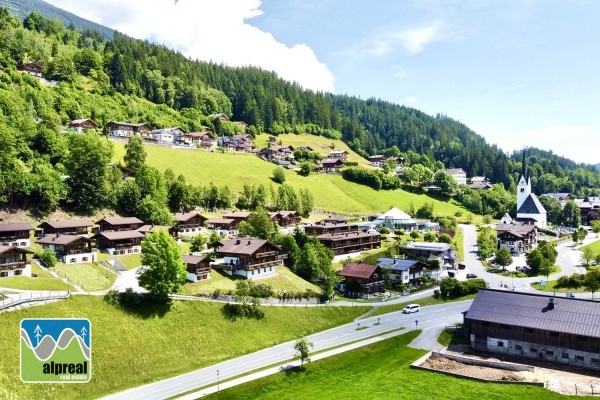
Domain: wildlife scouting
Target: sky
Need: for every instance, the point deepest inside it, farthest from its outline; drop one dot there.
(517, 72)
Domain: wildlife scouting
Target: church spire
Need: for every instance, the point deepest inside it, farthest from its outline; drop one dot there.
(524, 167)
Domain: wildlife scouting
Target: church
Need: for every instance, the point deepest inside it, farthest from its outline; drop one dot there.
(529, 208)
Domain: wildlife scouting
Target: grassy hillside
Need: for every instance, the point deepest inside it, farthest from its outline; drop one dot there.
(331, 192)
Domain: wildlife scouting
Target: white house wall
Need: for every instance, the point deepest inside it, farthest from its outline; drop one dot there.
(17, 243)
(80, 258)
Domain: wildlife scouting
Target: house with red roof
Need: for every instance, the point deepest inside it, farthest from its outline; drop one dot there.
(361, 279)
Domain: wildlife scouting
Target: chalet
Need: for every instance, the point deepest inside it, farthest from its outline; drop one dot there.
(119, 242)
(224, 226)
(335, 219)
(329, 228)
(190, 223)
(119, 224)
(442, 253)
(506, 219)
(402, 270)
(15, 234)
(377, 160)
(535, 326)
(204, 139)
(237, 216)
(82, 124)
(236, 142)
(285, 218)
(70, 249)
(276, 152)
(338, 155)
(31, 68)
(167, 135)
(332, 165)
(198, 267)
(249, 257)
(517, 238)
(589, 208)
(361, 279)
(68, 227)
(459, 175)
(14, 262)
(126, 129)
(351, 242)
(221, 116)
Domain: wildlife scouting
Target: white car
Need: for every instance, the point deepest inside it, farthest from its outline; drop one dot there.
(411, 308)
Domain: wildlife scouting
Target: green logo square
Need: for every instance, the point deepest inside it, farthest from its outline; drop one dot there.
(56, 350)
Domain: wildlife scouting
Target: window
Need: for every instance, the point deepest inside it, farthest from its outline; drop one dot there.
(565, 355)
(549, 353)
(594, 360)
(500, 344)
(72, 260)
(3, 274)
(532, 350)
(84, 259)
(579, 358)
(519, 348)
(18, 272)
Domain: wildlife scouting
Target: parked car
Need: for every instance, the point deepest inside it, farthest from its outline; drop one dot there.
(411, 308)
(471, 276)
(461, 266)
(451, 274)
(524, 268)
(569, 294)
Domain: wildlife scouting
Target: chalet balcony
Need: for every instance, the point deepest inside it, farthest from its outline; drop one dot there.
(187, 226)
(266, 254)
(371, 284)
(127, 244)
(13, 265)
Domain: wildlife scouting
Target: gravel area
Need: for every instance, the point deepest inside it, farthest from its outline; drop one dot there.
(475, 371)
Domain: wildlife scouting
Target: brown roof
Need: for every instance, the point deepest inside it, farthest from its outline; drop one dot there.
(515, 229)
(62, 239)
(152, 228)
(5, 249)
(121, 220)
(183, 217)
(237, 214)
(17, 226)
(82, 120)
(346, 235)
(190, 259)
(220, 220)
(357, 270)
(120, 235)
(332, 161)
(72, 223)
(246, 245)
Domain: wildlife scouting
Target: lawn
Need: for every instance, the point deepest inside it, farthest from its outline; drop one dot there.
(379, 371)
(551, 287)
(283, 280)
(88, 276)
(131, 349)
(331, 192)
(43, 281)
(595, 246)
(129, 261)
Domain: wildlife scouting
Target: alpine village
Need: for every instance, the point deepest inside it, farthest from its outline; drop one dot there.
(216, 223)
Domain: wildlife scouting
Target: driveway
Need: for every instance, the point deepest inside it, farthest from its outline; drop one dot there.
(128, 279)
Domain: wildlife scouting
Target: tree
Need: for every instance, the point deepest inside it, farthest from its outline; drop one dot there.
(152, 212)
(259, 225)
(596, 226)
(576, 236)
(135, 155)
(571, 216)
(486, 241)
(546, 268)
(197, 243)
(302, 348)
(306, 168)
(279, 175)
(592, 281)
(503, 257)
(165, 272)
(446, 183)
(307, 202)
(587, 255)
(47, 257)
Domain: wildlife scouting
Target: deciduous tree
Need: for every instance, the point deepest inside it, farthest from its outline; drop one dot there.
(302, 348)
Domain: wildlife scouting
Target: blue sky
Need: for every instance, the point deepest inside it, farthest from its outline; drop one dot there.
(519, 73)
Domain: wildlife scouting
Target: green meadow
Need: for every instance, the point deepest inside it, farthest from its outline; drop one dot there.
(380, 371)
(134, 347)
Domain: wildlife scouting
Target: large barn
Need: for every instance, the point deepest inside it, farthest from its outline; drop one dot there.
(562, 330)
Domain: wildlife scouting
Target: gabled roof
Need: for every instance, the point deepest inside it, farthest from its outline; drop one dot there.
(72, 223)
(82, 120)
(572, 316)
(15, 226)
(224, 221)
(356, 270)
(531, 205)
(152, 228)
(8, 249)
(184, 217)
(347, 235)
(237, 214)
(519, 230)
(121, 220)
(63, 239)
(118, 235)
(398, 264)
(244, 245)
(190, 259)
(454, 171)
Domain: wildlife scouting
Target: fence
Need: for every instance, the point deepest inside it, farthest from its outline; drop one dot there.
(33, 296)
(582, 389)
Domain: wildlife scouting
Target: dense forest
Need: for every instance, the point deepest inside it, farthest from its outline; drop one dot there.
(126, 79)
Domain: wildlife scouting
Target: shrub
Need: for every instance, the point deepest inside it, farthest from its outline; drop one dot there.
(112, 297)
(415, 234)
(385, 230)
(399, 232)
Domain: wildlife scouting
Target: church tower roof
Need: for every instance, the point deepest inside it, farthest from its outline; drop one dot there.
(524, 167)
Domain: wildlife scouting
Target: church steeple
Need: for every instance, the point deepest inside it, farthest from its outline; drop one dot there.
(524, 184)
(524, 167)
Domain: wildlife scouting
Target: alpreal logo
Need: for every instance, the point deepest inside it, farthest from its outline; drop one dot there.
(56, 350)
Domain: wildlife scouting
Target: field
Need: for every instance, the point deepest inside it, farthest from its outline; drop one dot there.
(595, 246)
(132, 348)
(43, 281)
(331, 192)
(129, 261)
(90, 277)
(380, 371)
(283, 280)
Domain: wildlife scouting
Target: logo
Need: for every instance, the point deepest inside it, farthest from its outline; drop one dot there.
(56, 350)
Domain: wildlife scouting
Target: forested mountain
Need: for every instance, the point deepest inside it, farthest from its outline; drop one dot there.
(22, 8)
(126, 79)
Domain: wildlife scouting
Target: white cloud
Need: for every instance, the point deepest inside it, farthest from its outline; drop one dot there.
(415, 40)
(208, 30)
(411, 100)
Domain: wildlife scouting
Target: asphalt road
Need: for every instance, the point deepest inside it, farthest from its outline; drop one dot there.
(430, 316)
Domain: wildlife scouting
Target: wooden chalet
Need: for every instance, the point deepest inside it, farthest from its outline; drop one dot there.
(377, 160)
(335, 219)
(70, 249)
(332, 165)
(338, 155)
(351, 242)
(126, 129)
(361, 279)
(198, 267)
(517, 238)
(31, 68)
(226, 226)
(190, 223)
(15, 234)
(204, 139)
(237, 216)
(248, 257)
(68, 227)
(535, 326)
(14, 262)
(329, 228)
(119, 224)
(82, 124)
(119, 242)
(285, 218)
